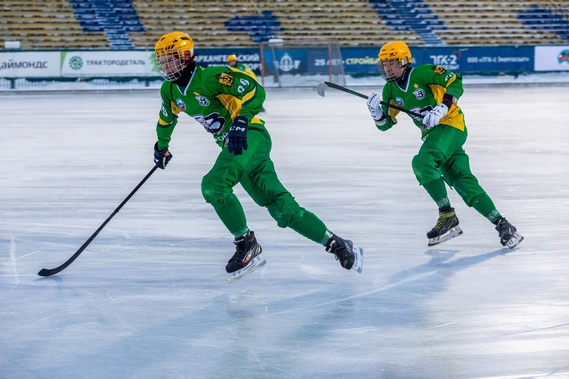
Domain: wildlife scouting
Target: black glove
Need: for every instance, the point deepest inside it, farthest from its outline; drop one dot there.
(161, 157)
(236, 139)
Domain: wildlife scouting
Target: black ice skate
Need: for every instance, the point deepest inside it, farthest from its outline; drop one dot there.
(508, 233)
(446, 227)
(346, 253)
(246, 258)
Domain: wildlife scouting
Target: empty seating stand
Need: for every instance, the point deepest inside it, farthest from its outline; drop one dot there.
(127, 24)
(114, 18)
(261, 27)
(411, 15)
(42, 25)
(550, 19)
(505, 22)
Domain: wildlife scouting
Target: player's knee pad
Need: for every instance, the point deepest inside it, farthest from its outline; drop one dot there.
(213, 191)
(426, 168)
(283, 210)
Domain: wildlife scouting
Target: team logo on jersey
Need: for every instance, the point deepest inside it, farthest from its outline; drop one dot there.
(213, 123)
(181, 105)
(204, 102)
(399, 101)
(225, 79)
(439, 70)
(419, 92)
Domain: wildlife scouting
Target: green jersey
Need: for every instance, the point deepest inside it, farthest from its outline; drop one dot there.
(214, 96)
(421, 92)
(243, 67)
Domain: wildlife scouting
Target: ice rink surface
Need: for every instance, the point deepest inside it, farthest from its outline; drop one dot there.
(149, 297)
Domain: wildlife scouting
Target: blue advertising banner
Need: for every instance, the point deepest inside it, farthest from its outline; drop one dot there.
(479, 60)
(218, 57)
(297, 60)
(363, 60)
(360, 60)
(356, 61)
(289, 61)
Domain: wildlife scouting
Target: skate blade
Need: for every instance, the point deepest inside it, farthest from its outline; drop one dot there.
(452, 233)
(515, 240)
(255, 264)
(359, 258)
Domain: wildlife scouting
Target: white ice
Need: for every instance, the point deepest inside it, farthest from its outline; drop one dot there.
(149, 297)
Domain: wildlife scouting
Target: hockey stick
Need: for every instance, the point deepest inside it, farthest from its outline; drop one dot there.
(53, 271)
(321, 88)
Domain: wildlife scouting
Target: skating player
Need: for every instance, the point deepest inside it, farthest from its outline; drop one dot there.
(233, 62)
(225, 102)
(433, 92)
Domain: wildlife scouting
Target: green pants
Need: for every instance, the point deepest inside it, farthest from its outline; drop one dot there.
(441, 159)
(255, 171)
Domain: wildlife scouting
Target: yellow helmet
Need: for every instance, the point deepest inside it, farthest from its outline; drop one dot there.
(231, 58)
(171, 58)
(395, 50)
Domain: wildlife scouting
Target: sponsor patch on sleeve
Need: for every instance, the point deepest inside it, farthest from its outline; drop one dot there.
(439, 70)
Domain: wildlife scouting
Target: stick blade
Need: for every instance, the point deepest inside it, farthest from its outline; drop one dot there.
(53, 271)
(321, 88)
(45, 272)
(359, 261)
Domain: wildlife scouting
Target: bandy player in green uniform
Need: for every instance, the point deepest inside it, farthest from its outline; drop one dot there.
(433, 92)
(225, 102)
(234, 63)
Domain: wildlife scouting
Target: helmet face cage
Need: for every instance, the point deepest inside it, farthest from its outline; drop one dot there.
(171, 58)
(390, 77)
(170, 65)
(393, 53)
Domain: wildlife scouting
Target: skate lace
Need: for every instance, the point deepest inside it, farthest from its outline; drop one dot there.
(440, 222)
(240, 249)
(248, 244)
(504, 228)
(443, 219)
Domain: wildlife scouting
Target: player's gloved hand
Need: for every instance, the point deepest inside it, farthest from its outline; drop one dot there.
(374, 109)
(161, 157)
(433, 117)
(236, 139)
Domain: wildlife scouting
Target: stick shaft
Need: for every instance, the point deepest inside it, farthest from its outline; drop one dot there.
(53, 271)
(352, 92)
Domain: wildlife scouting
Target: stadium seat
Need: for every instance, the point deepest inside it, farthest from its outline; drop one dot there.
(127, 24)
